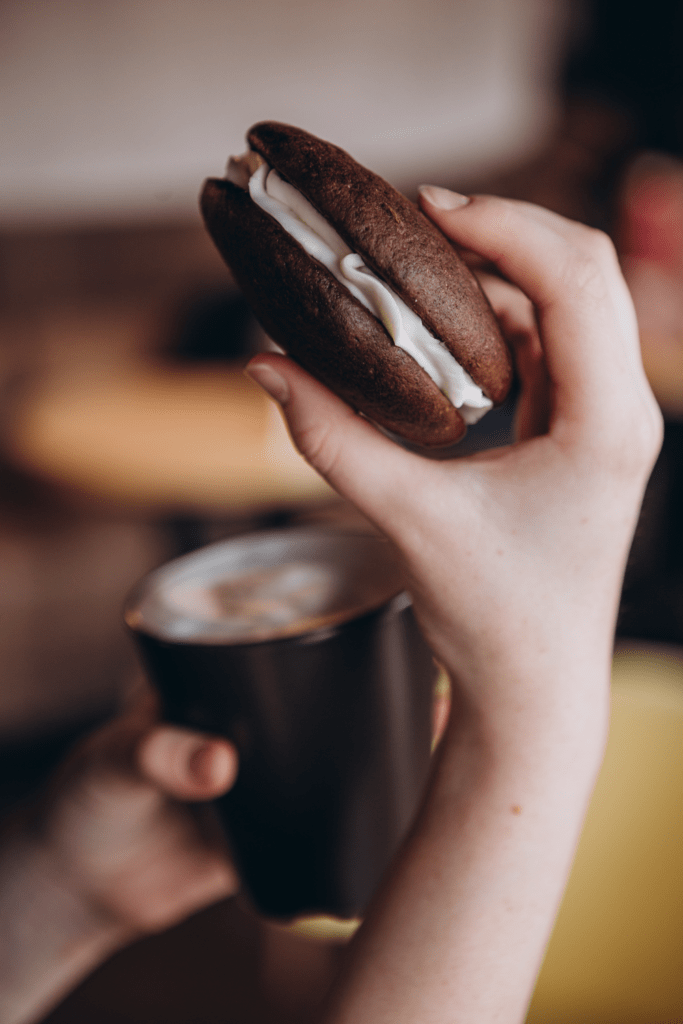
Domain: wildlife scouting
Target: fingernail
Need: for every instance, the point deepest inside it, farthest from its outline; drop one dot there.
(209, 764)
(442, 198)
(270, 380)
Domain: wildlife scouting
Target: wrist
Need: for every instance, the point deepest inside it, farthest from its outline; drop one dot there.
(52, 936)
(475, 890)
(529, 720)
(554, 662)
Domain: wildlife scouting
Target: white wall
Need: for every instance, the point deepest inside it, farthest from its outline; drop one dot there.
(121, 108)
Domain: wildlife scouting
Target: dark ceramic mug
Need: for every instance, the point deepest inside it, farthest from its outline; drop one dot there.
(299, 646)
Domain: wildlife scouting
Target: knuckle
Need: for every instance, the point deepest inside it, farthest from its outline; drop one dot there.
(599, 245)
(583, 273)
(591, 262)
(649, 431)
(501, 225)
(152, 918)
(651, 435)
(631, 450)
(490, 203)
(502, 213)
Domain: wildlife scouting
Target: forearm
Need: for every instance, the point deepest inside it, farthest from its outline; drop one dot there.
(49, 939)
(459, 931)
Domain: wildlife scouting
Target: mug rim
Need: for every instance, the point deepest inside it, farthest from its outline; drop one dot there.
(206, 554)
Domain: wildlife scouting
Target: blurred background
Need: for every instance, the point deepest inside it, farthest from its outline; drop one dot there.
(127, 431)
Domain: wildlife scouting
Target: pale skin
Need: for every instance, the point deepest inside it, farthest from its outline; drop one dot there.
(515, 559)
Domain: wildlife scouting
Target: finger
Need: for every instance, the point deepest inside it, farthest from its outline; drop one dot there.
(475, 262)
(439, 202)
(112, 747)
(534, 406)
(517, 319)
(187, 765)
(571, 275)
(353, 456)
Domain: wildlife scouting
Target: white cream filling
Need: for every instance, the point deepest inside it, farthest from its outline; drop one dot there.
(296, 215)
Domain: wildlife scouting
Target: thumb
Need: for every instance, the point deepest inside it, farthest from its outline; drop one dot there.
(360, 463)
(187, 765)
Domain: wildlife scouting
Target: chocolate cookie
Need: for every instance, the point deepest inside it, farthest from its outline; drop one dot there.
(320, 323)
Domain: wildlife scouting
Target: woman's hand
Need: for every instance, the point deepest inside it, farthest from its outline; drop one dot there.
(517, 552)
(113, 851)
(515, 559)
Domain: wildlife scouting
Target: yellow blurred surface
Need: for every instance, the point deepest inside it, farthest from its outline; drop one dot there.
(616, 954)
(324, 928)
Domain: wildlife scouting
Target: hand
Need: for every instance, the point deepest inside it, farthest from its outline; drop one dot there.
(528, 541)
(119, 827)
(112, 852)
(514, 558)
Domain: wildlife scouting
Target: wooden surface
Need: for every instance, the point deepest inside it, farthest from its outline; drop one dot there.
(162, 437)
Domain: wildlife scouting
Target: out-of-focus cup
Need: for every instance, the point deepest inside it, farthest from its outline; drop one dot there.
(300, 646)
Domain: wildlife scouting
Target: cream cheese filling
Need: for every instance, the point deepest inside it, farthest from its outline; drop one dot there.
(299, 218)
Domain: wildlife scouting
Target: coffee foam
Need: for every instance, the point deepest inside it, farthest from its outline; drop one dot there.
(276, 601)
(205, 600)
